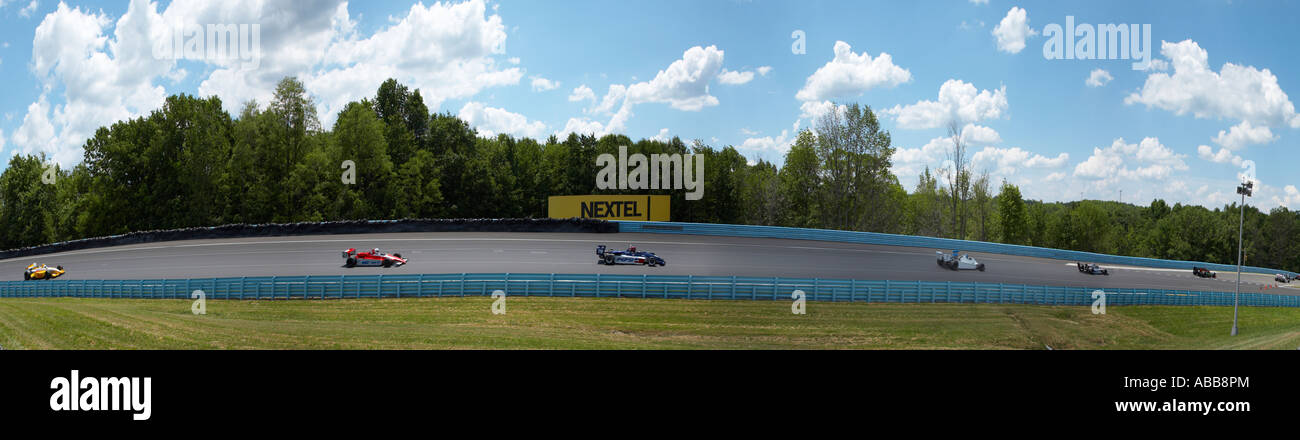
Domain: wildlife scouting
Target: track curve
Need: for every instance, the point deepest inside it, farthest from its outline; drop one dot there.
(456, 252)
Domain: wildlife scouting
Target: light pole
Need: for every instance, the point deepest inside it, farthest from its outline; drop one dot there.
(1245, 190)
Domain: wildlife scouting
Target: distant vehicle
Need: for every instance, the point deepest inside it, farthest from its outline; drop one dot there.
(1092, 269)
(630, 256)
(42, 272)
(958, 261)
(1204, 273)
(1281, 278)
(352, 258)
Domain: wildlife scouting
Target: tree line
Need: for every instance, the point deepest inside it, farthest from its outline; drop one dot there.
(191, 163)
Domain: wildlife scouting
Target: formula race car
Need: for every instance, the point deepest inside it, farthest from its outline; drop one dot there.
(1204, 273)
(630, 256)
(1281, 278)
(352, 258)
(42, 272)
(1092, 269)
(957, 261)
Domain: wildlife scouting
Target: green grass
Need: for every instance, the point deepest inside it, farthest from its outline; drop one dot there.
(587, 323)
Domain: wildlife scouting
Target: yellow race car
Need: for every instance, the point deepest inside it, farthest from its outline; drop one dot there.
(42, 272)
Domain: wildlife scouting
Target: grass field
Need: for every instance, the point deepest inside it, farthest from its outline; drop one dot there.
(586, 323)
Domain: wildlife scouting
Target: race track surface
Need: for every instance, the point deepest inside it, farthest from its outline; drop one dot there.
(456, 252)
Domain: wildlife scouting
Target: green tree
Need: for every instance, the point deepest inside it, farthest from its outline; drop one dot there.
(1013, 215)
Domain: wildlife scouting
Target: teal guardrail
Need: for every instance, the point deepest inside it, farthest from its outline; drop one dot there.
(921, 242)
(622, 286)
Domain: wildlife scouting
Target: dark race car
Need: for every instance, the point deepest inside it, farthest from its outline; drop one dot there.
(352, 258)
(958, 261)
(630, 256)
(1204, 273)
(1092, 269)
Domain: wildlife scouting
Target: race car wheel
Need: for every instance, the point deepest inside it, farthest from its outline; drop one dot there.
(609, 259)
(388, 263)
(981, 267)
(27, 276)
(352, 262)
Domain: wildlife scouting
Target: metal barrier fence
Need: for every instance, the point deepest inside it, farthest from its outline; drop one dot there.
(921, 242)
(622, 286)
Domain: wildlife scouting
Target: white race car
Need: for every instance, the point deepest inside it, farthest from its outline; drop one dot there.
(958, 261)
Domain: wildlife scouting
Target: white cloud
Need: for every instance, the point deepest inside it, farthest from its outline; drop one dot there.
(1224, 155)
(850, 74)
(26, 12)
(684, 85)
(446, 50)
(581, 126)
(1157, 64)
(1012, 31)
(662, 136)
(1235, 92)
(763, 70)
(911, 161)
(733, 78)
(615, 95)
(1098, 78)
(1006, 161)
(958, 101)
(1154, 161)
(813, 111)
(979, 2)
(491, 121)
(102, 78)
(978, 134)
(582, 93)
(766, 147)
(1290, 197)
(1243, 135)
(542, 84)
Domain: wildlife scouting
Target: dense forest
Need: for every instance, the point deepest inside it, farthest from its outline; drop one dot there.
(191, 163)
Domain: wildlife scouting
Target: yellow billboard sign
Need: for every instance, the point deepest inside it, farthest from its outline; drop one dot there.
(610, 207)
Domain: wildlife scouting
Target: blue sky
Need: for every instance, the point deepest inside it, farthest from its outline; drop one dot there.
(724, 72)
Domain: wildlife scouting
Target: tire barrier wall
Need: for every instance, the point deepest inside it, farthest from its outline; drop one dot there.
(623, 286)
(316, 228)
(922, 242)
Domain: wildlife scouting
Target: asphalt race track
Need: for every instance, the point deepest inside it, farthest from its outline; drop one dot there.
(456, 252)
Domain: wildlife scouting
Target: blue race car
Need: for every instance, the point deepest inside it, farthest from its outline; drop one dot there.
(630, 256)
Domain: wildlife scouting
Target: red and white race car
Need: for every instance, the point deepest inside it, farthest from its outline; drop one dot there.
(352, 258)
